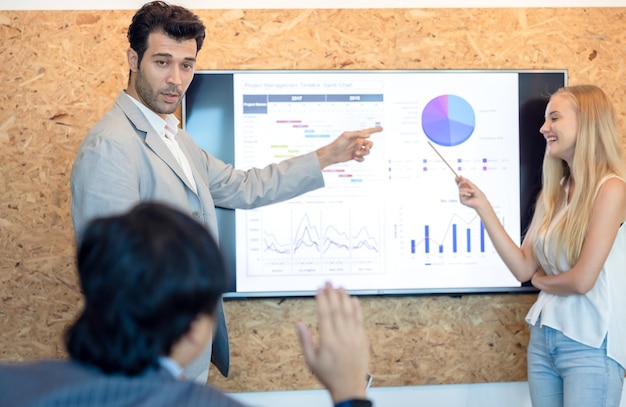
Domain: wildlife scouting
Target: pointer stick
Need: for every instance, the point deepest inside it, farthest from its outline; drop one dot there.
(443, 159)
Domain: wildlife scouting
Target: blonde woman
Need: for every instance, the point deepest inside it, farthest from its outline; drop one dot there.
(574, 252)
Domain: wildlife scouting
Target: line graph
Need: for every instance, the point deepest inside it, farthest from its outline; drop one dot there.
(307, 236)
(336, 239)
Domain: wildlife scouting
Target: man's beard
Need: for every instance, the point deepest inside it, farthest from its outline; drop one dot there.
(150, 98)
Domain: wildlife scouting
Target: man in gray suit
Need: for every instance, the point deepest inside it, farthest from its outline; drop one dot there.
(152, 279)
(136, 152)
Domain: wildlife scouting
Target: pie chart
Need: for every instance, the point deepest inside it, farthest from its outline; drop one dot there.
(448, 120)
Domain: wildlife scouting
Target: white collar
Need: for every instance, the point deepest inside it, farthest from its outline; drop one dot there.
(157, 123)
(171, 366)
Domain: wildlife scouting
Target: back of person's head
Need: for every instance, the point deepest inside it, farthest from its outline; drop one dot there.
(177, 22)
(145, 275)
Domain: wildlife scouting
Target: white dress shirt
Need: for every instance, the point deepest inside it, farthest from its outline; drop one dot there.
(167, 130)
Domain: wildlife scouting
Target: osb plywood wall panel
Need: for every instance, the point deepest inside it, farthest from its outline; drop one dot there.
(62, 70)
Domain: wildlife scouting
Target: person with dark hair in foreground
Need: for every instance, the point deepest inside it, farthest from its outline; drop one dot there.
(138, 153)
(152, 279)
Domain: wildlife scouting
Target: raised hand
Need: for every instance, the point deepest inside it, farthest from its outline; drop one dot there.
(341, 358)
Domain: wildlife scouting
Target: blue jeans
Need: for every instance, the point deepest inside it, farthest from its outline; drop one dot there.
(565, 373)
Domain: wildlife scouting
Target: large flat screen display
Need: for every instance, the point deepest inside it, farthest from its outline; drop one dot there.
(392, 224)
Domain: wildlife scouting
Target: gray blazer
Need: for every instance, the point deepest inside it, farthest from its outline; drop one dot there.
(123, 161)
(70, 384)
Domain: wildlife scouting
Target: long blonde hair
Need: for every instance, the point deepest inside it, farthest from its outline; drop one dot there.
(598, 153)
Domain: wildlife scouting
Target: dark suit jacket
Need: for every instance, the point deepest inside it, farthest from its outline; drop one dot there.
(70, 384)
(123, 161)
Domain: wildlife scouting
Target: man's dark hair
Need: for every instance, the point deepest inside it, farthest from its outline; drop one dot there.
(175, 21)
(145, 276)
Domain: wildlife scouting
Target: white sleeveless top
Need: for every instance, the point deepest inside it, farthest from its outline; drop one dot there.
(599, 313)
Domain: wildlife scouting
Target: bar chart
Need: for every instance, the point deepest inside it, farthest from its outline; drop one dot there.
(456, 238)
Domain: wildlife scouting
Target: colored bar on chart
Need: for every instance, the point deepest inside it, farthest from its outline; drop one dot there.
(482, 237)
(469, 240)
(413, 246)
(426, 240)
(454, 238)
